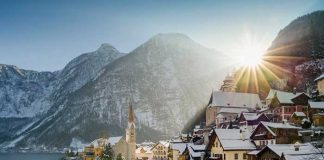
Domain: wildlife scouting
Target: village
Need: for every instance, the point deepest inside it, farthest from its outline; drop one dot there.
(238, 126)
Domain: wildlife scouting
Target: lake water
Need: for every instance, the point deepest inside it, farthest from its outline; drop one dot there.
(30, 156)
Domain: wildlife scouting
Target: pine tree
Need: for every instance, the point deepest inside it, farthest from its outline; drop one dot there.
(119, 157)
(108, 153)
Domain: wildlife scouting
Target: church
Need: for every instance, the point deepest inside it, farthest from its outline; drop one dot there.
(130, 135)
(125, 146)
(226, 104)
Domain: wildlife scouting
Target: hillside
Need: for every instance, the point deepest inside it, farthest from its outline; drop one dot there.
(169, 78)
(295, 57)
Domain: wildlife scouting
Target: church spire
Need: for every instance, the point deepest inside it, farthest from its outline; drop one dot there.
(130, 112)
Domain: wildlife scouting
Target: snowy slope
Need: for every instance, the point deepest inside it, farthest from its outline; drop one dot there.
(28, 98)
(169, 78)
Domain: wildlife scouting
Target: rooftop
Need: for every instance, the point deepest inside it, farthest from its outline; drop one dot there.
(316, 105)
(306, 151)
(299, 114)
(270, 125)
(114, 140)
(250, 116)
(196, 150)
(235, 99)
(232, 110)
(101, 142)
(283, 97)
(181, 147)
(231, 139)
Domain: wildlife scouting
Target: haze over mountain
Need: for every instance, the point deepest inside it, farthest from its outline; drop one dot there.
(298, 51)
(167, 76)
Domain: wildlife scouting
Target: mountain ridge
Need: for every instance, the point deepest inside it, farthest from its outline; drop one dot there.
(168, 75)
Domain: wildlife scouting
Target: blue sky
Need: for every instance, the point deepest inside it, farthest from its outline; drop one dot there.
(45, 35)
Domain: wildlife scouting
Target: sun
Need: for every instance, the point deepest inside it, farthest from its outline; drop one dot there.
(250, 51)
(250, 60)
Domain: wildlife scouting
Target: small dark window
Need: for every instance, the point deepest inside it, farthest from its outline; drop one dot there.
(244, 155)
(235, 156)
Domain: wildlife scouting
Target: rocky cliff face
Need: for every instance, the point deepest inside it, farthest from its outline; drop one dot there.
(168, 78)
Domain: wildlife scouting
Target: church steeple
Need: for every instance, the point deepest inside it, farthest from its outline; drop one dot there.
(130, 113)
(130, 133)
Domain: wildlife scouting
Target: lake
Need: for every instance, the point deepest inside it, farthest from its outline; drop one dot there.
(30, 156)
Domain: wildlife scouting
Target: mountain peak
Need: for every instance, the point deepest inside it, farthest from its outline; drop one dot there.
(170, 36)
(106, 47)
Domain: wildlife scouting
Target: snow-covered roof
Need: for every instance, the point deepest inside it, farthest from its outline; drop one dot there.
(235, 99)
(279, 125)
(176, 141)
(147, 149)
(114, 140)
(319, 78)
(100, 142)
(288, 150)
(249, 116)
(299, 114)
(181, 147)
(220, 116)
(255, 152)
(283, 97)
(316, 105)
(164, 143)
(197, 147)
(319, 114)
(196, 150)
(269, 125)
(232, 110)
(231, 139)
(147, 144)
(303, 157)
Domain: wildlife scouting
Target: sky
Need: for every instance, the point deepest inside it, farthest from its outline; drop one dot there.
(44, 35)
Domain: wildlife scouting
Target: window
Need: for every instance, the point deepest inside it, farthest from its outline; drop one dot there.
(216, 144)
(244, 155)
(235, 156)
(224, 156)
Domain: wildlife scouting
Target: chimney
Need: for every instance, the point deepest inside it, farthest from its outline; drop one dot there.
(242, 134)
(295, 90)
(296, 146)
(284, 121)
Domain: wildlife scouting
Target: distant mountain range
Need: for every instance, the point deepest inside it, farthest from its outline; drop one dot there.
(168, 78)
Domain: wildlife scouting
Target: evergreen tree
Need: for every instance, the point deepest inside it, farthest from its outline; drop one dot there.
(108, 153)
(69, 153)
(119, 157)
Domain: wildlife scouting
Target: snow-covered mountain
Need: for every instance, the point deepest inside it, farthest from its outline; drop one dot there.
(168, 78)
(85, 67)
(28, 97)
(24, 93)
